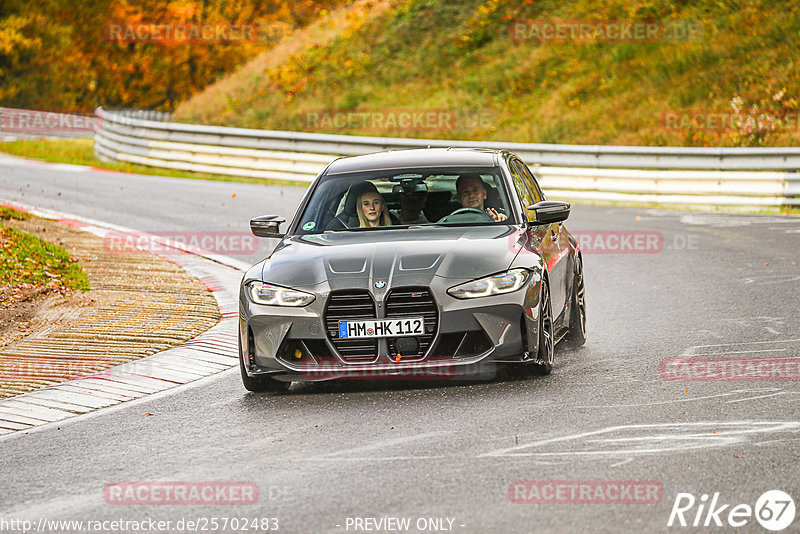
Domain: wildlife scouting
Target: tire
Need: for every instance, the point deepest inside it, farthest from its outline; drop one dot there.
(576, 336)
(260, 384)
(544, 356)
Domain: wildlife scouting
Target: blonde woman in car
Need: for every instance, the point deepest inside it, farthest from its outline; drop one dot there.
(371, 207)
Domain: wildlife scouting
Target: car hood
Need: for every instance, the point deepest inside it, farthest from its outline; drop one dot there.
(401, 256)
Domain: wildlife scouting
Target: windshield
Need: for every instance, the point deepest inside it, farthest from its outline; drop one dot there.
(407, 197)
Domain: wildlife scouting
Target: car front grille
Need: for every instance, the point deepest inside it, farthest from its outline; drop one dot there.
(413, 302)
(354, 305)
(358, 305)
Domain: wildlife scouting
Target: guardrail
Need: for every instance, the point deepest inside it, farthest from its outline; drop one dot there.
(697, 177)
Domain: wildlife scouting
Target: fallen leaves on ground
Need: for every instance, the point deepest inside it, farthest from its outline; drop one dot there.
(28, 260)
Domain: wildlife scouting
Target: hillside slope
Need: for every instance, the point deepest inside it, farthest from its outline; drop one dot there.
(712, 73)
(221, 102)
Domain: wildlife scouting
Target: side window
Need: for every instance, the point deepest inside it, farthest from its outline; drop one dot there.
(522, 190)
(495, 195)
(533, 185)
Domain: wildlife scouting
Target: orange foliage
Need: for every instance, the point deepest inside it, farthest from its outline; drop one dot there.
(74, 56)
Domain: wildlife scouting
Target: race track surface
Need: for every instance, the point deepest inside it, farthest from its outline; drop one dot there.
(322, 456)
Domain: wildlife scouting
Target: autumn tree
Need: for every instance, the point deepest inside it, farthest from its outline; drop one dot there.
(61, 55)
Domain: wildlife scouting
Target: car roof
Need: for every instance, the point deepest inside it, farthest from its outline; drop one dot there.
(419, 157)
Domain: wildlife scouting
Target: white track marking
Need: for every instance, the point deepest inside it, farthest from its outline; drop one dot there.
(719, 220)
(657, 439)
(770, 279)
(623, 462)
(671, 401)
(384, 444)
(754, 398)
(755, 345)
(738, 352)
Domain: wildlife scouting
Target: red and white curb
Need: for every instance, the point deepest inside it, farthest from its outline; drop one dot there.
(211, 352)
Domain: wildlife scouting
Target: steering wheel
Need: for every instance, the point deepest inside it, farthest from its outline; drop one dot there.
(464, 211)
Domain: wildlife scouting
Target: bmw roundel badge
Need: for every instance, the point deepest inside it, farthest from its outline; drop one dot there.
(380, 284)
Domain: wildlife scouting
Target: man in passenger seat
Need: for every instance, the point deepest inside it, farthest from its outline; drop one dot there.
(471, 193)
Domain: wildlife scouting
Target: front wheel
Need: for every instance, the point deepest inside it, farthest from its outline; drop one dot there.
(544, 357)
(260, 384)
(576, 336)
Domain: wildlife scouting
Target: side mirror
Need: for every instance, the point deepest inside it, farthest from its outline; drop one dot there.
(549, 211)
(267, 226)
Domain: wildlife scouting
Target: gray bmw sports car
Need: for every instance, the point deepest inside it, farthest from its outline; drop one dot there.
(414, 263)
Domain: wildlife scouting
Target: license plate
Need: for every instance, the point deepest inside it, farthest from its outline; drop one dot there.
(407, 326)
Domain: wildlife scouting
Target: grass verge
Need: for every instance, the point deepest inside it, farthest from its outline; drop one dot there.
(25, 259)
(7, 213)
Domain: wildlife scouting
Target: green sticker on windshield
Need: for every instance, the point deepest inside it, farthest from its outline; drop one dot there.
(309, 225)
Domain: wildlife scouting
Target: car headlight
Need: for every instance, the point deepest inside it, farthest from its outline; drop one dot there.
(270, 295)
(496, 284)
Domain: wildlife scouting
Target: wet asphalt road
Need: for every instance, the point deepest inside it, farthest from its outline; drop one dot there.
(326, 456)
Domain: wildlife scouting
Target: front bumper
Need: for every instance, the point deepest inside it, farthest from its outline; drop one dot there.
(471, 336)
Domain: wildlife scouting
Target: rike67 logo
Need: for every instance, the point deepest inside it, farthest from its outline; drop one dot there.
(774, 510)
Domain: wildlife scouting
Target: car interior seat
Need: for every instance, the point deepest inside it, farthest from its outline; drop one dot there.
(440, 203)
(492, 197)
(345, 214)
